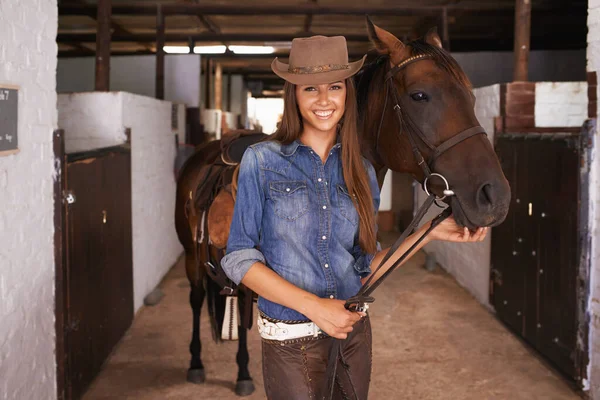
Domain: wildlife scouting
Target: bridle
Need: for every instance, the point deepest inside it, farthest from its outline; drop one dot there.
(361, 301)
(437, 151)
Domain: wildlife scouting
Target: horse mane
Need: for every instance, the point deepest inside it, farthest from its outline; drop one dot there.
(380, 63)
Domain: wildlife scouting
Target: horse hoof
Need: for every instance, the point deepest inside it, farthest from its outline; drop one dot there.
(244, 388)
(196, 376)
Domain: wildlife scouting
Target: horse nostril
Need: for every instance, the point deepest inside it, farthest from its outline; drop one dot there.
(486, 195)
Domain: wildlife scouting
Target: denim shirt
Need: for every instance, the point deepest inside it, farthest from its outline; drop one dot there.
(293, 213)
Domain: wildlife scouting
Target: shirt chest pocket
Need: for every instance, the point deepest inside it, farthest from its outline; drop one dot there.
(346, 205)
(290, 199)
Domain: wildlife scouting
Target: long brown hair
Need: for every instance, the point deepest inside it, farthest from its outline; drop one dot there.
(355, 174)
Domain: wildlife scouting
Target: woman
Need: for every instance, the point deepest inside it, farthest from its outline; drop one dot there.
(303, 232)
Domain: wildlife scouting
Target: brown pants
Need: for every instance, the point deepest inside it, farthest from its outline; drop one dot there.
(295, 369)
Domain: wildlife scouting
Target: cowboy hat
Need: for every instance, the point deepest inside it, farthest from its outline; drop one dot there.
(316, 60)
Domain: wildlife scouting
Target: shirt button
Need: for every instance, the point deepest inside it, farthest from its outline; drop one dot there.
(326, 265)
(319, 180)
(324, 237)
(324, 207)
(287, 189)
(331, 296)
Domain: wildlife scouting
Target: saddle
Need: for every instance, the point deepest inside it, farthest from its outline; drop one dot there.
(210, 210)
(220, 212)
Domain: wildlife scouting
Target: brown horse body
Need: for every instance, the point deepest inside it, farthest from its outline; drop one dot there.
(438, 101)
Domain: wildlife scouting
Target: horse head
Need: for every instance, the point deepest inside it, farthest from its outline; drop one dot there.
(416, 106)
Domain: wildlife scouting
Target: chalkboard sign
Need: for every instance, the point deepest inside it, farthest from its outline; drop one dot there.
(9, 110)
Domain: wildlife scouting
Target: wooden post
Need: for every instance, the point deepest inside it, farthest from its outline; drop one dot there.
(229, 94)
(219, 87)
(445, 34)
(522, 39)
(207, 80)
(103, 45)
(160, 54)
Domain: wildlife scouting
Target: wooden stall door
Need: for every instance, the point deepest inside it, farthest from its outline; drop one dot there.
(99, 287)
(535, 252)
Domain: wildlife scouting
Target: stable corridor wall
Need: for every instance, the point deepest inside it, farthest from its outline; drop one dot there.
(93, 120)
(593, 66)
(28, 57)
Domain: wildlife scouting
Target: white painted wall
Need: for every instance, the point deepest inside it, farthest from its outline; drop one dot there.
(155, 243)
(469, 263)
(561, 103)
(91, 120)
(593, 58)
(385, 202)
(180, 130)
(28, 56)
(135, 74)
(84, 116)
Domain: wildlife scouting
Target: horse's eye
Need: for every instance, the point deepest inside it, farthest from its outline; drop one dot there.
(419, 96)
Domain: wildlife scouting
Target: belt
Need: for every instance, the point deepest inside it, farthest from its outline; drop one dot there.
(282, 331)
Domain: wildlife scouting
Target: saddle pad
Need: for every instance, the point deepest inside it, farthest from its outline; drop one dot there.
(220, 215)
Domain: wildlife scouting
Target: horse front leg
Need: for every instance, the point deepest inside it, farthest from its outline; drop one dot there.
(244, 385)
(196, 372)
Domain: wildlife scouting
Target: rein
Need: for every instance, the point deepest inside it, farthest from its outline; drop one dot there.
(361, 301)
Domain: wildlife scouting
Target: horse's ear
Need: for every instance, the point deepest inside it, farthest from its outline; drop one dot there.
(385, 42)
(433, 38)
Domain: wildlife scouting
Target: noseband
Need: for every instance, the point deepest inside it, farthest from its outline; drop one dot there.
(361, 301)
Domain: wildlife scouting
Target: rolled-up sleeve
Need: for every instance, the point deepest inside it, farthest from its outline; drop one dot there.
(363, 261)
(244, 234)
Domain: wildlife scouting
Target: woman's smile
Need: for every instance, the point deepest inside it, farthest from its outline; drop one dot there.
(323, 114)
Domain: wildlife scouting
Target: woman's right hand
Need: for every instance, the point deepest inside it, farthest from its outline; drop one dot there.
(332, 317)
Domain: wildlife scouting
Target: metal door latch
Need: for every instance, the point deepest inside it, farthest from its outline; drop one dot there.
(69, 197)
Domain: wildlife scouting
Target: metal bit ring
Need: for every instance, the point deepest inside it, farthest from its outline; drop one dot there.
(447, 192)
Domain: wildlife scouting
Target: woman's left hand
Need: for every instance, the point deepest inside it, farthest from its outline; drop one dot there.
(450, 231)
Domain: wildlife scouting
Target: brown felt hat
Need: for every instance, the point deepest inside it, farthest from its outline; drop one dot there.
(316, 60)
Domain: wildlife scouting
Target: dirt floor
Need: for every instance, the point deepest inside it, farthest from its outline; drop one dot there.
(431, 340)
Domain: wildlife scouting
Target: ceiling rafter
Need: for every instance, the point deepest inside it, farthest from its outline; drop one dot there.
(298, 9)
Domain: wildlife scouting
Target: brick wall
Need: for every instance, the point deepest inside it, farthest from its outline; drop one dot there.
(28, 57)
(92, 119)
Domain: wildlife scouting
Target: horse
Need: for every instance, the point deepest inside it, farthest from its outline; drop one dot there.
(437, 103)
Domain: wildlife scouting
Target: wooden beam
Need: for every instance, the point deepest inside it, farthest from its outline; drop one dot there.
(219, 87)
(296, 9)
(229, 92)
(209, 24)
(207, 80)
(83, 49)
(202, 37)
(522, 39)
(103, 46)
(160, 53)
(445, 34)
